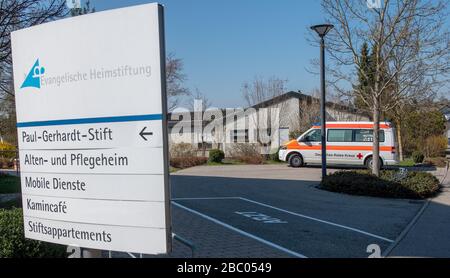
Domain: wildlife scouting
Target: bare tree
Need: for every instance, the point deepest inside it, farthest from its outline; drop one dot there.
(308, 112)
(15, 15)
(413, 28)
(18, 14)
(8, 120)
(175, 79)
(86, 9)
(418, 66)
(198, 97)
(199, 103)
(267, 116)
(260, 90)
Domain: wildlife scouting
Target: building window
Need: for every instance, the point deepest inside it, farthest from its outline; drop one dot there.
(204, 146)
(240, 136)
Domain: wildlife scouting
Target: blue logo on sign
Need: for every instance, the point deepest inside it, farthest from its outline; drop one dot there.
(33, 78)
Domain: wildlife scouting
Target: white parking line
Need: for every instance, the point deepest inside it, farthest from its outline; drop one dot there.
(271, 244)
(131, 255)
(295, 214)
(318, 220)
(206, 198)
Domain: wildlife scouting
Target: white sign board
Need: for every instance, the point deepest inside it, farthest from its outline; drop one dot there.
(92, 130)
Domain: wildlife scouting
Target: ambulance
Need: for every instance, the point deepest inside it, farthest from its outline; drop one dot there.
(348, 143)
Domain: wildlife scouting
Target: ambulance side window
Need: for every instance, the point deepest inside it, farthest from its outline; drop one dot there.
(340, 135)
(366, 135)
(313, 136)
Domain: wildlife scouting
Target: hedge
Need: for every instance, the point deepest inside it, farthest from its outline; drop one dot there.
(7, 151)
(216, 156)
(418, 156)
(187, 162)
(14, 245)
(390, 184)
(9, 184)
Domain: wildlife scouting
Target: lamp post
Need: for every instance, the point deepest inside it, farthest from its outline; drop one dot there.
(322, 30)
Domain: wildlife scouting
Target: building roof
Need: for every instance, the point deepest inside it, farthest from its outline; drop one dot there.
(274, 101)
(299, 95)
(445, 110)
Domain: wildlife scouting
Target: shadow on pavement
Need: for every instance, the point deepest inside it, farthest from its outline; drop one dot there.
(379, 216)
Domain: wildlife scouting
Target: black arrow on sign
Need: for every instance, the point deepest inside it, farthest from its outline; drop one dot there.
(143, 133)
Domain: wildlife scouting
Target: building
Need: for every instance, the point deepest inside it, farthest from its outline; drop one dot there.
(266, 124)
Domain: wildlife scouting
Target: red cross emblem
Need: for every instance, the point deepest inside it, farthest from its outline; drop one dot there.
(359, 156)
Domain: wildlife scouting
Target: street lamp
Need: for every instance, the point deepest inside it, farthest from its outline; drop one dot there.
(322, 30)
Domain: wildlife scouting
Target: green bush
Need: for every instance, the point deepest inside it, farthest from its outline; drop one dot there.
(14, 245)
(9, 184)
(418, 157)
(390, 184)
(216, 156)
(418, 125)
(422, 184)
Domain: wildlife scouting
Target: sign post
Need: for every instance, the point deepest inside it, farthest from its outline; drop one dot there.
(92, 130)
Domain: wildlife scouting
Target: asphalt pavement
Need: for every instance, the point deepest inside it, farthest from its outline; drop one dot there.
(281, 207)
(428, 236)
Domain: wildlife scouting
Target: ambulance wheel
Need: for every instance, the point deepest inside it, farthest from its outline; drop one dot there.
(369, 163)
(296, 161)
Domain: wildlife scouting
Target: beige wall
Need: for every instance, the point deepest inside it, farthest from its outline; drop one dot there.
(339, 115)
(289, 118)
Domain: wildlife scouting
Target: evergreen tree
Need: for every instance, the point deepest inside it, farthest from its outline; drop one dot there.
(365, 76)
(366, 80)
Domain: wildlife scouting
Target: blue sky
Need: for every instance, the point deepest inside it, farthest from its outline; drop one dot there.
(225, 43)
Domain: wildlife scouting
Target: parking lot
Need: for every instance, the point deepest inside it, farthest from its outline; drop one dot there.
(277, 211)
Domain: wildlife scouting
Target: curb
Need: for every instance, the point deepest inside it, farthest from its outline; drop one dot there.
(406, 230)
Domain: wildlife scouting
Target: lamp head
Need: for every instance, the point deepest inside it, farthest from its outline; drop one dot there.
(322, 29)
